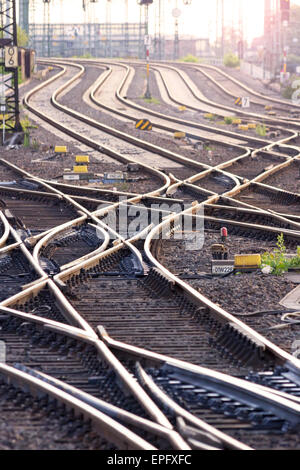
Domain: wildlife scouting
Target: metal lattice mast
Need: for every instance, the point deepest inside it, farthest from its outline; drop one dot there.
(241, 30)
(176, 36)
(108, 48)
(46, 27)
(158, 30)
(9, 75)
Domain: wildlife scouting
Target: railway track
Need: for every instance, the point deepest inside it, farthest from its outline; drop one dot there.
(108, 327)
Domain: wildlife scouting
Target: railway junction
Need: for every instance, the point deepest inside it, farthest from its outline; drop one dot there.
(149, 261)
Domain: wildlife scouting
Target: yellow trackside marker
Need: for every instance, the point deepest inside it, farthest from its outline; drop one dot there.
(179, 135)
(60, 149)
(247, 260)
(268, 107)
(243, 127)
(252, 125)
(237, 121)
(80, 169)
(238, 102)
(82, 159)
(182, 108)
(143, 125)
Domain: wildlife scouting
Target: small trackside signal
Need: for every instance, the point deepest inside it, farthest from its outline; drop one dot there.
(224, 234)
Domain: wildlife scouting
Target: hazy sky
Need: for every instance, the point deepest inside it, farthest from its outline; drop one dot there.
(197, 19)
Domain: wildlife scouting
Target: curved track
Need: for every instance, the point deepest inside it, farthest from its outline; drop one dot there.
(145, 359)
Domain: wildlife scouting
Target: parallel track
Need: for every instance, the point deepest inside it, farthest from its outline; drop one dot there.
(123, 283)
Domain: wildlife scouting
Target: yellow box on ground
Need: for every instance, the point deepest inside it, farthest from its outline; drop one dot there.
(80, 169)
(243, 127)
(252, 125)
(182, 108)
(268, 107)
(237, 121)
(60, 149)
(179, 135)
(82, 159)
(247, 260)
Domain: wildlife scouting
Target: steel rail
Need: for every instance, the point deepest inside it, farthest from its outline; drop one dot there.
(102, 79)
(39, 271)
(62, 228)
(88, 141)
(112, 430)
(131, 104)
(265, 118)
(233, 95)
(295, 234)
(163, 427)
(82, 210)
(179, 411)
(245, 87)
(67, 310)
(198, 298)
(295, 134)
(190, 124)
(254, 211)
(157, 359)
(6, 230)
(113, 411)
(194, 177)
(73, 317)
(131, 139)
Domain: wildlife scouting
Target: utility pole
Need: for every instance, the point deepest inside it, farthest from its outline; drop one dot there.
(268, 40)
(24, 15)
(284, 23)
(176, 13)
(223, 29)
(147, 94)
(126, 30)
(278, 41)
(9, 86)
(159, 30)
(220, 27)
(46, 23)
(108, 48)
(241, 29)
(146, 4)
